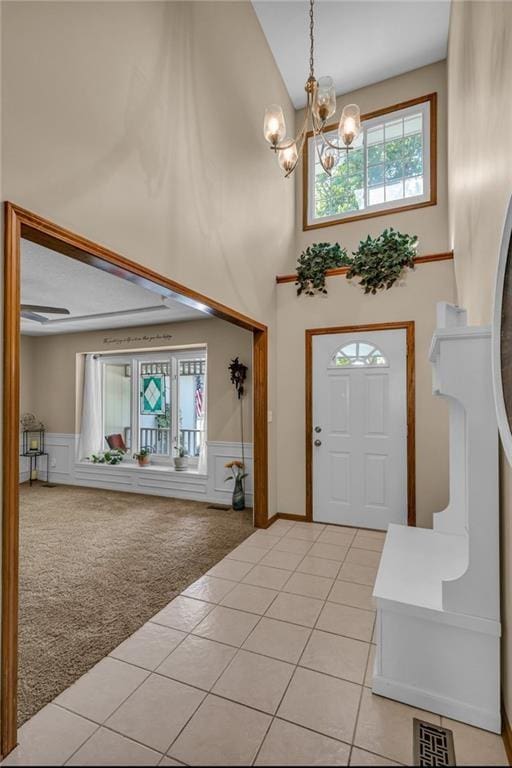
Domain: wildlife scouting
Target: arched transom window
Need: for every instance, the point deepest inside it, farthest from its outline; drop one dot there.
(358, 354)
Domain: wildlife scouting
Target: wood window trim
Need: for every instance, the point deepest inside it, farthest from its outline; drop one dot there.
(431, 98)
(20, 223)
(409, 327)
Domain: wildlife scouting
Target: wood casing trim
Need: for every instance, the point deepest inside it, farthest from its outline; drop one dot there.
(432, 99)
(409, 328)
(426, 259)
(22, 223)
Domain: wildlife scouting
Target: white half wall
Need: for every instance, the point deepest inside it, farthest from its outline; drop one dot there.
(156, 480)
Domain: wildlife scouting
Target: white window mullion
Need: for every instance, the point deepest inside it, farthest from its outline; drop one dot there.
(175, 409)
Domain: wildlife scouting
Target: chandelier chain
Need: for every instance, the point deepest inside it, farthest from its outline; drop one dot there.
(311, 39)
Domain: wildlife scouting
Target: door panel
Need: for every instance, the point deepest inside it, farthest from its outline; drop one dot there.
(360, 408)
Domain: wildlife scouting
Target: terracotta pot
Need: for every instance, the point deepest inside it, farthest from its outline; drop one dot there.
(144, 460)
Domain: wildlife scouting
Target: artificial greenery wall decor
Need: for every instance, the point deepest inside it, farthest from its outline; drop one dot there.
(314, 262)
(380, 261)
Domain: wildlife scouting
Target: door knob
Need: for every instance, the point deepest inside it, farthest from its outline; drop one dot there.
(318, 429)
(318, 442)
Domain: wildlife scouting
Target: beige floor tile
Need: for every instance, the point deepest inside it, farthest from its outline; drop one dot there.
(255, 680)
(367, 542)
(50, 737)
(474, 746)
(295, 608)
(360, 574)
(149, 646)
(247, 554)
(305, 531)
(371, 533)
(296, 546)
(368, 678)
(246, 597)
(348, 621)
(360, 757)
(385, 727)
(230, 569)
(279, 559)
(264, 576)
(227, 625)
(168, 761)
(318, 566)
(101, 690)
(336, 655)
(263, 539)
(356, 595)
(209, 589)
(289, 744)
(221, 733)
(183, 613)
(340, 537)
(308, 585)
(278, 639)
(280, 527)
(363, 557)
(323, 703)
(156, 712)
(107, 748)
(328, 551)
(197, 661)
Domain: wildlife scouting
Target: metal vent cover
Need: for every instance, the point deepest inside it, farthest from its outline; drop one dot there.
(433, 745)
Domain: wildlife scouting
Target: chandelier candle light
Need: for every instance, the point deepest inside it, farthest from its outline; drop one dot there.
(320, 106)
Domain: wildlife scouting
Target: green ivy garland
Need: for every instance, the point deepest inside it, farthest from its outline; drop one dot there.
(314, 262)
(380, 261)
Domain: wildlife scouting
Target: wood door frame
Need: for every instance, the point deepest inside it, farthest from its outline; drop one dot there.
(408, 326)
(22, 223)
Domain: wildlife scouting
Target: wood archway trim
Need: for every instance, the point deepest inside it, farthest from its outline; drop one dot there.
(20, 223)
(408, 326)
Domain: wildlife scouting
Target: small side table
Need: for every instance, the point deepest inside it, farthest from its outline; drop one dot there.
(33, 453)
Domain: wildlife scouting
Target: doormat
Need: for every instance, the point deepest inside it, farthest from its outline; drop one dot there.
(433, 745)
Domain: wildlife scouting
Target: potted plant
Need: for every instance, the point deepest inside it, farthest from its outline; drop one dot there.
(143, 457)
(238, 475)
(181, 458)
(112, 457)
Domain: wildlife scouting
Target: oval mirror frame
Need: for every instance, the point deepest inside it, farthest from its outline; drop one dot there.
(502, 336)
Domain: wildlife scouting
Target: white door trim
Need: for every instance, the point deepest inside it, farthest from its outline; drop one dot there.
(411, 443)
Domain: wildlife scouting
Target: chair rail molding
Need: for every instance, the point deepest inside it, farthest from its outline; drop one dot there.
(155, 480)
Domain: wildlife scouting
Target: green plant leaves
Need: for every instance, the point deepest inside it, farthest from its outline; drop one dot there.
(379, 262)
(313, 263)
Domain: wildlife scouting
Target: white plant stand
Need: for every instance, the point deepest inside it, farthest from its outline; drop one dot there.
(437, 591)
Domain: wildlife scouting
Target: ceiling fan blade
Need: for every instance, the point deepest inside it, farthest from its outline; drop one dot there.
(40, 308)
(33, 316)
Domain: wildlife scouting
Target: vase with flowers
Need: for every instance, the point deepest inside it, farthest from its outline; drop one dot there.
(238, 475)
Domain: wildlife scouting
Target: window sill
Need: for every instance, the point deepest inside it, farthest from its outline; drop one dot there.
(133, 466)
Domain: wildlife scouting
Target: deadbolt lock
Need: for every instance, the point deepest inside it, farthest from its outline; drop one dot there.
(318, 429)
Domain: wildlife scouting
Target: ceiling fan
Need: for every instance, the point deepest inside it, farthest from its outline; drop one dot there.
(32, 312)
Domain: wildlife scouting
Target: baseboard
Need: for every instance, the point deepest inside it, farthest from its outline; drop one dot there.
(286, 516)
(422, 699)
(506, 733)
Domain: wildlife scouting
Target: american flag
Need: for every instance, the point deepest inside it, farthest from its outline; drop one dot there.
(199, 397)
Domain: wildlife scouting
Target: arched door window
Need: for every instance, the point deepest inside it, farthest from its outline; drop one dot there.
(358, 354)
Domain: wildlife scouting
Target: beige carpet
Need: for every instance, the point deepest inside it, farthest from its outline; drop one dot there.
(95, 565)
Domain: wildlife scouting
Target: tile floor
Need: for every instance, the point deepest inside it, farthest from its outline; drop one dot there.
(265, 660)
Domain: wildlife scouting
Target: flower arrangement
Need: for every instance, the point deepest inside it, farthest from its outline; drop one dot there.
(238, 475)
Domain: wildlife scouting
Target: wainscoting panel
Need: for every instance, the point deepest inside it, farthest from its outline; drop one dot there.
(155, 480)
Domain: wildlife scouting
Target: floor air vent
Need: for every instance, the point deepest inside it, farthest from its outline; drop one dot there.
(433, 745)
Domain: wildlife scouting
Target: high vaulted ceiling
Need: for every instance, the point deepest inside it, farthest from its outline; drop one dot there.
(96, 300)
(357, 42)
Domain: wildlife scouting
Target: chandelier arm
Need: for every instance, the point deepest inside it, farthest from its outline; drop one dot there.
(300, 134)
(319, 152)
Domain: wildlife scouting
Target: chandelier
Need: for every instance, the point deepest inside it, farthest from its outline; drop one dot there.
(320, 106)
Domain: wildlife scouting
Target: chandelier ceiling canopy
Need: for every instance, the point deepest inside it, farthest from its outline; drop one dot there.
(320, 106)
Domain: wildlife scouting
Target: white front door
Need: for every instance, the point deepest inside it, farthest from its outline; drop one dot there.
(360, 428)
